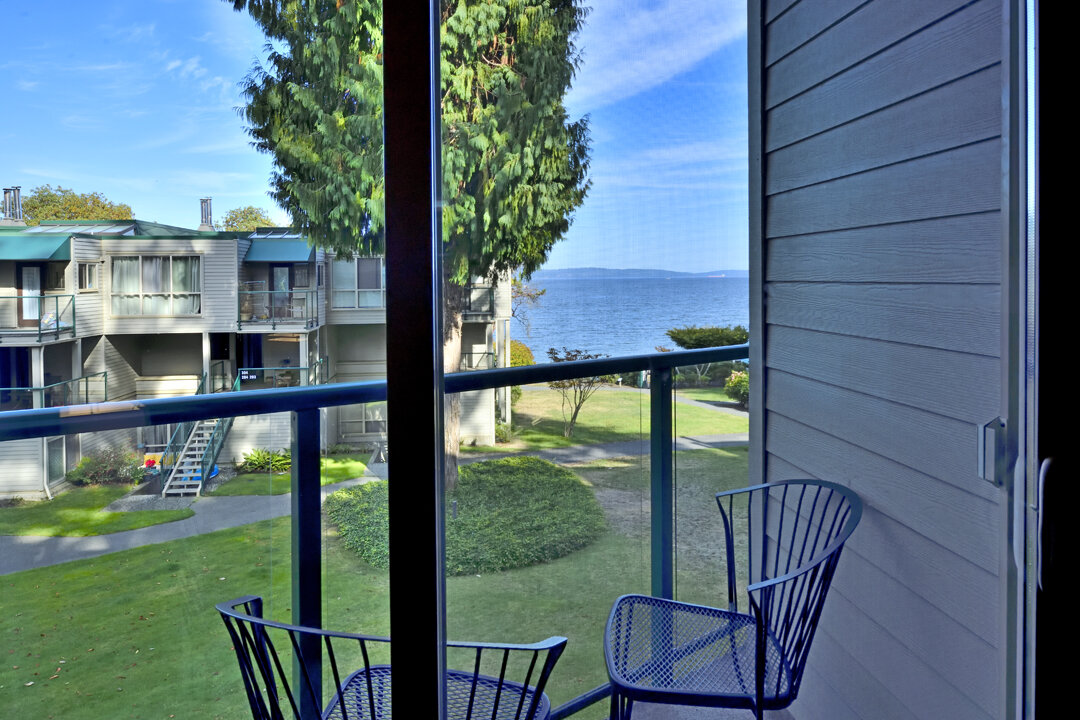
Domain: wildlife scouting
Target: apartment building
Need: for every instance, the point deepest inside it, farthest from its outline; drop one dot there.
(130, 310)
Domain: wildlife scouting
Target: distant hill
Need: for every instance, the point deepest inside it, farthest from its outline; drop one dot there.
(592, 273)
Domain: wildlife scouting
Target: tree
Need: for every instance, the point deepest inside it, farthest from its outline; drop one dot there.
(693, 337)
(575, 391)
(522, 298)
(47, 203)
(248, 218)
(514, 165)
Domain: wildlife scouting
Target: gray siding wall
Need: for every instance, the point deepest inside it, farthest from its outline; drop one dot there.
(23, 468)
(89, 305)
(879, 268)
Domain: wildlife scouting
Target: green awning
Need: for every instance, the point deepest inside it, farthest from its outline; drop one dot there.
(289, 251)
(35, 247)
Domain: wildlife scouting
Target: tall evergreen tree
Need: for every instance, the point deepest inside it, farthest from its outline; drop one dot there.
(514, 165)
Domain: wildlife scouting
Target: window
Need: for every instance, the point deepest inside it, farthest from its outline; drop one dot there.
(319, 274)
(54, 275)
(358, 283)
(156, 285)
(301, 276)
(88, 277)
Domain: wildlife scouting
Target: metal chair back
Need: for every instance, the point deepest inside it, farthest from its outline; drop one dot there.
(284, 672)
(795, 533)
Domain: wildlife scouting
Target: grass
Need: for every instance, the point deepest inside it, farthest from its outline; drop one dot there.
(335, 468)
(704, 394)
(608, 416)
(134, 634)
(79, 512)
(506, 513)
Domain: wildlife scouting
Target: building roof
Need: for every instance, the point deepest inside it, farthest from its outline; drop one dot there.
(26, 246)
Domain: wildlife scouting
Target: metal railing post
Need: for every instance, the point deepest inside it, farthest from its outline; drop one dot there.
(662, 492)
(307, 548)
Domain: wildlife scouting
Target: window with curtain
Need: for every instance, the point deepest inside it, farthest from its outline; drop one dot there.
(156, 285)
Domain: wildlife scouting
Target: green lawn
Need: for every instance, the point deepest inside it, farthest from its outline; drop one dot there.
(608, 416)
(334, 469)
(134, 634)
(703, 394)
(79, 513)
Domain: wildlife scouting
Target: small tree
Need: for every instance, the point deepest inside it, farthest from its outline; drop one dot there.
(522, 298)
(693, 337)
(48, 203)
(246, 218)
(575, 391)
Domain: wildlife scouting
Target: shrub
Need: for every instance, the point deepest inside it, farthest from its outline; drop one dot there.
(738, 387)
(692, 337)
(263, 460)
(340, 449)
(520, 354)
(111, 466)
(511, 513)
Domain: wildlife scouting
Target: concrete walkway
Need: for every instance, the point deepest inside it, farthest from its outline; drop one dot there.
(24, 552)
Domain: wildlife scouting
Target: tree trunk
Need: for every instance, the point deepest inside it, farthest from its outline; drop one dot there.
(453, 304)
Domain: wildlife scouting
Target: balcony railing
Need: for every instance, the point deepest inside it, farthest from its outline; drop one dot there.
(479, 300)
(307, 558)
(277, 307)
(270, 377)
(44, 317)
(78, 391)
(477, 361)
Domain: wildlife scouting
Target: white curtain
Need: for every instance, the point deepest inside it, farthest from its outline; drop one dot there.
(125, 286)
(186, 285)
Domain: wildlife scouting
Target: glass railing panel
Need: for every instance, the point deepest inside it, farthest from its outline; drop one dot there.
(549, 522)
(111, 588)
(711, 436)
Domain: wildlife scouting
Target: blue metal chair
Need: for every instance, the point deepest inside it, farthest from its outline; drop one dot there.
(663, 651)
(272, 653)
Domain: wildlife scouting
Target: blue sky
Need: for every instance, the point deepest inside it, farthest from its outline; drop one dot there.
(138, 100)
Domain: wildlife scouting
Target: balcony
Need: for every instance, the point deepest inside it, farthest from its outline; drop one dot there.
(78, 391)
(37, 318)
(479, 302)
(261, 378)
(160, 584)
(259, 310)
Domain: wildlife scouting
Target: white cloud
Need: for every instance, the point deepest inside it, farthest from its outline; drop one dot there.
(26, 84)
(629, 47)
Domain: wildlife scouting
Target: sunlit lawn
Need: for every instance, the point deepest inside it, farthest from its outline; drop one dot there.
(608, 416)
(135, 634)
(335, 468)
(703, 394)
(79, 512)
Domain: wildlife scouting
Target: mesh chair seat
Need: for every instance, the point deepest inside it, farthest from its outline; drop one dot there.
(362, 704)
(665, 651)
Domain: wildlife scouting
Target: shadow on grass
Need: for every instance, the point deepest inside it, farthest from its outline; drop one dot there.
(79, 512)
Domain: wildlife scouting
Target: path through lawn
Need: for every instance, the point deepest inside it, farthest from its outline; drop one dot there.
(135, 633)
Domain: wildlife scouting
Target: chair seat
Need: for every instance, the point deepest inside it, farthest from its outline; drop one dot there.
(459, 689)
(665, 651)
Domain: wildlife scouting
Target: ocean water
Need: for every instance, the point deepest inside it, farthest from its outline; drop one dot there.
(628, 316)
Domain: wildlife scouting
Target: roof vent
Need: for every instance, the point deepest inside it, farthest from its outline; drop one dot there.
(207, 222)
(12, 207)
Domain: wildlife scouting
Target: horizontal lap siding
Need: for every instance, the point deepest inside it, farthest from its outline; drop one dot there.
(881, 180)
(89, 306)
(23, 468)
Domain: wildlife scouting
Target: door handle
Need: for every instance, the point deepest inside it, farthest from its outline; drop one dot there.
(992, 425)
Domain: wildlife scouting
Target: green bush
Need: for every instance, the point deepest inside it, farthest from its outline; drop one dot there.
(693, 337)
(520, 354)
(738, 387)
(721, 371)
(263, 460)
(511, 513)
(111, 466)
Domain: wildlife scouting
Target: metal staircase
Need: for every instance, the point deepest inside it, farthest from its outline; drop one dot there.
(189, 469)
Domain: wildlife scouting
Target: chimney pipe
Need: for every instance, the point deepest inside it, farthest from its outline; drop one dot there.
(13, 214)
(207, 222)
